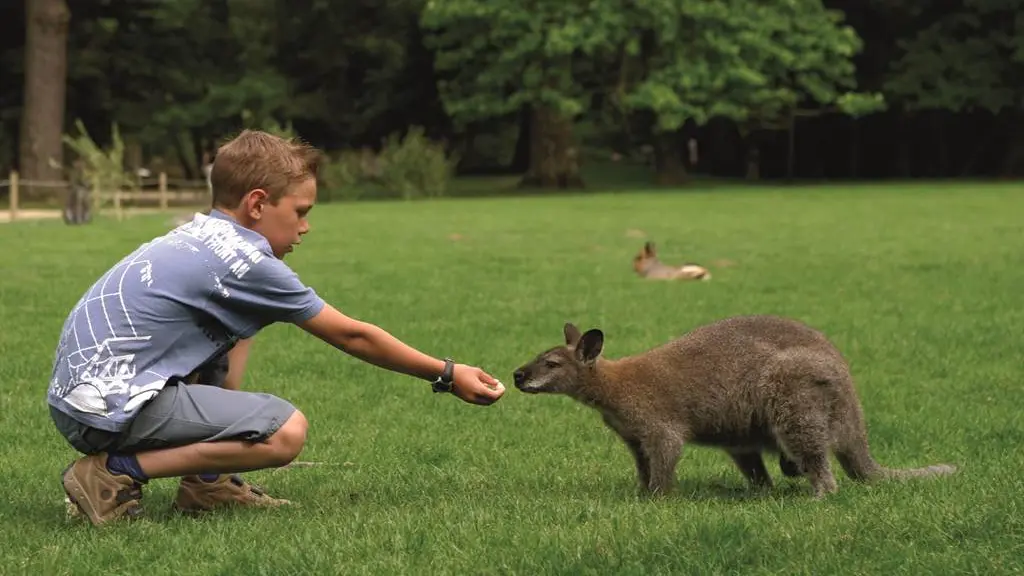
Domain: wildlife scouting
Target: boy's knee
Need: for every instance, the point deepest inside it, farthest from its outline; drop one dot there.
(290, 437)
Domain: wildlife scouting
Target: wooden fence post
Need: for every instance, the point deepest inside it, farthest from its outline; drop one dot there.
(14, 196)
(163, 190)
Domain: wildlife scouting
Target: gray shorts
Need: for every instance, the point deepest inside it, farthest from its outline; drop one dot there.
(184, 414)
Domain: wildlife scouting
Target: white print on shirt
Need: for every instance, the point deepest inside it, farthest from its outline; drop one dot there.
(224, 241)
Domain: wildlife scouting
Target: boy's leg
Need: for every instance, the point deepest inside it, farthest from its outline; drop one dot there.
(188, 430)
(115, 495)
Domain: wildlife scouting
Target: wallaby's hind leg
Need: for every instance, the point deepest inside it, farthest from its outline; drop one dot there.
(752, 467)
(805, 442)
(799, 417)
(788, 467)
(663, 454)
(819, 472)
(852, 448)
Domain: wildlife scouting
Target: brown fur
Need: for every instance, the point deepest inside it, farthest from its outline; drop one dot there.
(647, 265)
(747, 385)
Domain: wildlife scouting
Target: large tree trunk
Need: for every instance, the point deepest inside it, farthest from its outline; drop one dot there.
(554, 158)
(521, 158)
(668, 160)
(854, 148)
(42, 117)
(904, 149)
(752, 158)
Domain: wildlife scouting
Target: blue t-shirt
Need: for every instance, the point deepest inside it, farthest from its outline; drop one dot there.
(166, 309)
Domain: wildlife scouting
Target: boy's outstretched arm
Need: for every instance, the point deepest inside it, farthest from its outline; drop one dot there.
(376, 346)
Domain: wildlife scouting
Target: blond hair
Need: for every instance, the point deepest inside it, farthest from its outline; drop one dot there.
(256, 159)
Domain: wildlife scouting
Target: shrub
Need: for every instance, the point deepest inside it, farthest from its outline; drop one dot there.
(351, 175)
(408, 167)
(101, 169)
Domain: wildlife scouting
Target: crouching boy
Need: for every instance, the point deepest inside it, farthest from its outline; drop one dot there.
(132, 387)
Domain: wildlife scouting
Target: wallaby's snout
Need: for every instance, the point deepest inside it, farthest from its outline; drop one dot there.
(519, 377)
(532, 377)
(561, 368)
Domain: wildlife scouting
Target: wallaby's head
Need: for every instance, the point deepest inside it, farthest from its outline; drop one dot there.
(563, 368)
(645, 257)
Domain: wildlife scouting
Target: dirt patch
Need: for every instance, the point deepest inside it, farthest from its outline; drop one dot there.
(36, 214)
(5, 215)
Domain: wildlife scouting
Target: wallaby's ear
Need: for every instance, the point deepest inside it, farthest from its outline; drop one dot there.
(649, 248)
(590, 346)
(572, 334)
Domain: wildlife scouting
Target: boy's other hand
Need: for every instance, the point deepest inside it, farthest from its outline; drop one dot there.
(475, 386)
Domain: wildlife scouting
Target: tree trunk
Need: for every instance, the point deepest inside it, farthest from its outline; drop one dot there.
(854, 148)
(753, 155)
(939, 125)
(42, 118)
(183, 154)
(521, 157)
(668, 160)
(904, 149)
(554, 158)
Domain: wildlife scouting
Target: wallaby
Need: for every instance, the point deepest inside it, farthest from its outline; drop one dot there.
(647, 265)
(746, 384)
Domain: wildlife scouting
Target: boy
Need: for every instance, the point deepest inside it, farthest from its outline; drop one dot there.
(123, 389)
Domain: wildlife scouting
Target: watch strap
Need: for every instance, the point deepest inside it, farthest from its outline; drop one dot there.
(443, 383)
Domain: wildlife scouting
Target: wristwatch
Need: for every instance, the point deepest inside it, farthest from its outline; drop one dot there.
(443, 383)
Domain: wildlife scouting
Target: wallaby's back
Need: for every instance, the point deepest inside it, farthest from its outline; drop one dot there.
(718, 378)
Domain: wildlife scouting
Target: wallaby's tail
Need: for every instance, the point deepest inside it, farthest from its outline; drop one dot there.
(854, 455)
(859, 465)
(933, 470)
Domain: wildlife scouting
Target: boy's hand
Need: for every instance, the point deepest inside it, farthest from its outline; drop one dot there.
(475, 386)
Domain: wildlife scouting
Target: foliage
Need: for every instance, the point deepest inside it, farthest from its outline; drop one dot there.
(177, 76)
(963, 59)
(352, 175)
(748, 61)
(102, 169)
(494, 56)
(269, 125)
(408, 167)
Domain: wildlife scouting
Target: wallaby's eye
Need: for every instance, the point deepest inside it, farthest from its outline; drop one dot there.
(551, 364)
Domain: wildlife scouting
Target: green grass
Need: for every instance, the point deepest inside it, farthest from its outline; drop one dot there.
(921, 286)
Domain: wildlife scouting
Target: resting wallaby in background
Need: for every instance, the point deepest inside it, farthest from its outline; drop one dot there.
(647, 265)
(747, 384)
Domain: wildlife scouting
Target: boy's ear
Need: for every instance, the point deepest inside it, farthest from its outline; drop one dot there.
(572, 334)
(590, 346)
(255, 201)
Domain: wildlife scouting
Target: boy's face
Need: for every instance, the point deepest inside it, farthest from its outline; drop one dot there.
(283, 225)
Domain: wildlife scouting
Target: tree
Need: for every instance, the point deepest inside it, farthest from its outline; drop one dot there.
(962, 60)
(755, 63)
(358, 70)
(497, 57)
(42, 120)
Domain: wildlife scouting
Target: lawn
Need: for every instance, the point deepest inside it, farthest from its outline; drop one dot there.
(919, 285)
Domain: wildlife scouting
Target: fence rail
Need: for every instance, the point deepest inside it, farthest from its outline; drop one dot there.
(162, 191)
